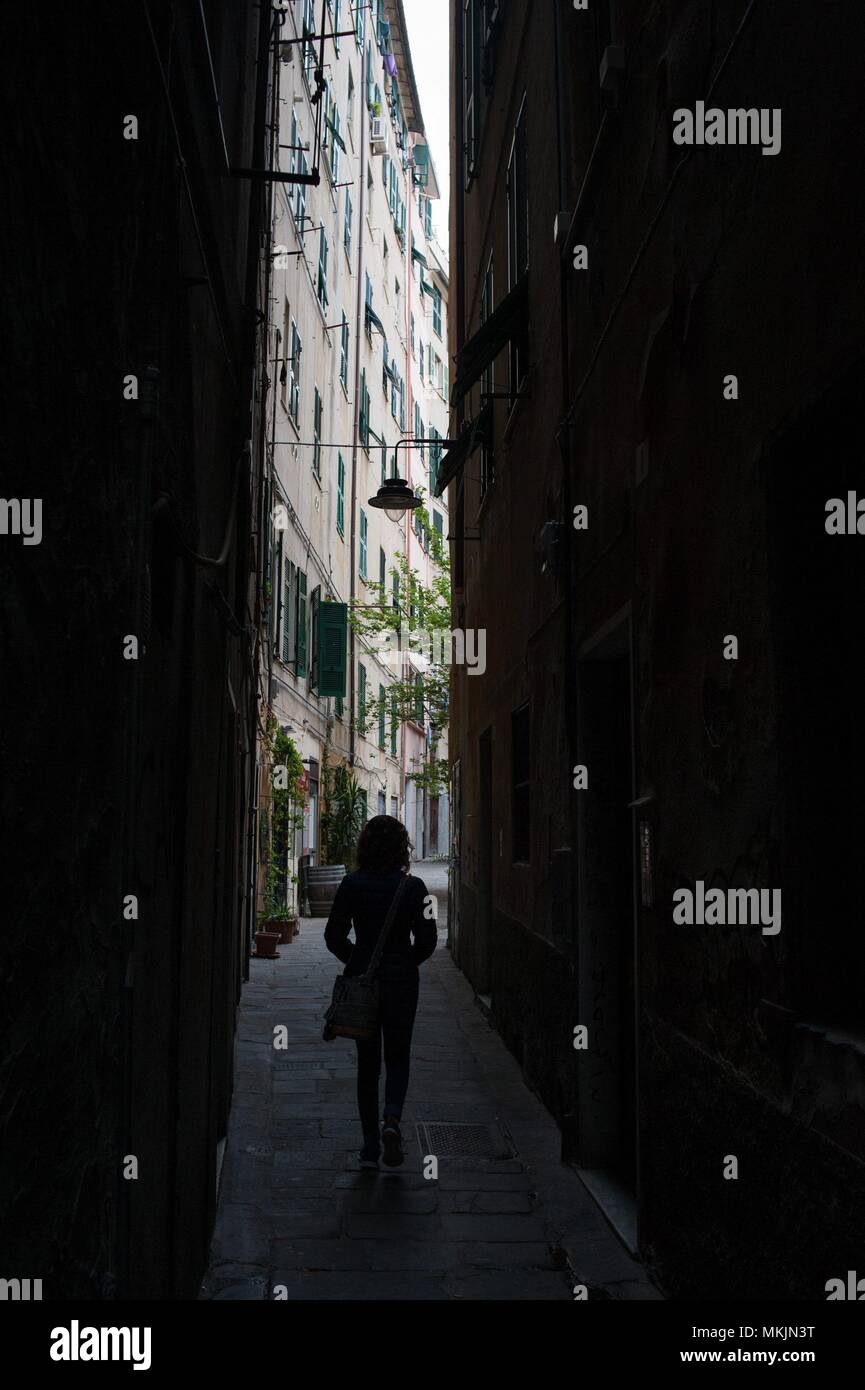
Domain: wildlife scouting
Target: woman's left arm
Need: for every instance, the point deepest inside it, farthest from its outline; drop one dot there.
(339, 925)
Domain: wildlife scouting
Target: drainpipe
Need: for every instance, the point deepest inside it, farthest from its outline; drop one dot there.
(361, 217)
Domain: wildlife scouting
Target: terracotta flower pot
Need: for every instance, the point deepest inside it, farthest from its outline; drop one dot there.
(266, 943)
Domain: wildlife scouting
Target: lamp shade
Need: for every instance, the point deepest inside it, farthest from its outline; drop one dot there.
(396, 498)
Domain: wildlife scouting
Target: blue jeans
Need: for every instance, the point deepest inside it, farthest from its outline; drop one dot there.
(399, 982)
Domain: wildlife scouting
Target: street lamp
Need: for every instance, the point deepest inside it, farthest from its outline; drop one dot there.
(395, 497)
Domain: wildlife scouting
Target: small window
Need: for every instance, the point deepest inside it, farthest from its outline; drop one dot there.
(382, 716)
(437, 311)
(364, 547)
(520, 786)
(343, 351)
(321, 288)
(361, 695)
(294, 374)
(346, 226)
(316, 434)
(340, 494)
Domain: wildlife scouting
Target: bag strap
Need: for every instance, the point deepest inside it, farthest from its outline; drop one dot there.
(388, 923)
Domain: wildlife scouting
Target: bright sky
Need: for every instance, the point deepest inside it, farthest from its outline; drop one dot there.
(430, 51)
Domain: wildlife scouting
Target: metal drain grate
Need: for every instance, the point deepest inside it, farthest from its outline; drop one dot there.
(458, 1140)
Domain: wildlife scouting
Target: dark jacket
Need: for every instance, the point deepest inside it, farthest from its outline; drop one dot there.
(362, 901)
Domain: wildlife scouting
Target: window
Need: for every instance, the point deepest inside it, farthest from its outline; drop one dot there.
(300, 625)
(346, 225)
(368, 303)
(308, 32)
(520, 787)
(412, 335)
(364, 546)
(382, 803)
(481, 26)
(289, 616)
(316, 434)
(363, 412)
(364, 805)
(340, 494)
(394, 389)
(385, 368)
(300, 192)
(349, 106)
(518, 238)
(321, 288)
(420, 359)
(418, 427)
(437, 310)
(332, 139)
(276, 606)
(314, 652)
(402, 405)
(343, 351)
(361, 695)
(382, 716)
(438, 524)
(382, 569)
(336, 6)
(359, 23)
(294, 374)
(395, 587)
(435, 457)
(394, 726)
(427, 218)
(297, 165)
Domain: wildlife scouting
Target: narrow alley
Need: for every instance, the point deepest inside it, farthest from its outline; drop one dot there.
(299, 1219)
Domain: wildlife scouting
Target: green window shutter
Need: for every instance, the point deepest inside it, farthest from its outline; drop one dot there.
(333, 648)
(393, 725)
(300, 666)
(315, 654)
(363, 543)
(382, 570)
(287, 625)
(340, 494)
(438, 524)
(361, 695)
(382, 711)
(277, 594)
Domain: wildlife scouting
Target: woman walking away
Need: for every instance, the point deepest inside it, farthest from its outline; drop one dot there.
(362, 901)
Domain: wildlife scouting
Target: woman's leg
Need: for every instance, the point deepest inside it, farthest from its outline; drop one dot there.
(368, 1071)
(399, 1006)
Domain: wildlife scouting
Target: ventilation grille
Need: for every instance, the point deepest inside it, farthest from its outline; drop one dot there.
(454, 1140)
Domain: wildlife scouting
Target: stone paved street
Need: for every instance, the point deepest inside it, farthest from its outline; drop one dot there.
(296, 1210)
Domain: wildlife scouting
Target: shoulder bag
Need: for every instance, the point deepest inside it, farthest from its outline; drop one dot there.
(354, 1008)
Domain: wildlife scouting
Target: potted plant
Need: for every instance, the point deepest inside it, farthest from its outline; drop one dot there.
(266, 942)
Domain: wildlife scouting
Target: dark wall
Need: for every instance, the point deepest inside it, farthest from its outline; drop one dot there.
(124, 777)
(702, 262)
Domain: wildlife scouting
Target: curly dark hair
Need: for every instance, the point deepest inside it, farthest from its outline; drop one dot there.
(384, 846)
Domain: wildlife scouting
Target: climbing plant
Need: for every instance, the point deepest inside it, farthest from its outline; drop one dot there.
(286, 816)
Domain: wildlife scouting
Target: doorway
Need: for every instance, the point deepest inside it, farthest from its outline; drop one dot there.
(606, 948)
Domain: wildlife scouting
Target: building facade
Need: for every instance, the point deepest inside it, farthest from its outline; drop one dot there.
(357, 325)
(130, 309)
(654, 384)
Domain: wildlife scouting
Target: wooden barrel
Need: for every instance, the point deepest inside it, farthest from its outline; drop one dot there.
(321, 886)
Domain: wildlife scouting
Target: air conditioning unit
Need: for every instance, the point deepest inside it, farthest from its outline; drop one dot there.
(379, 134)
